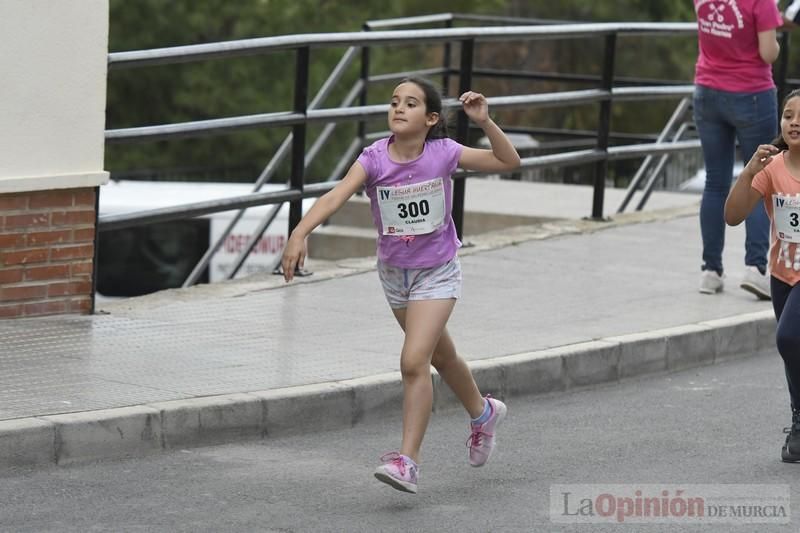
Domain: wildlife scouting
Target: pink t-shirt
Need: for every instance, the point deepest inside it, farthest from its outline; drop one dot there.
(727, 33)
(777, 185)
(439, 159)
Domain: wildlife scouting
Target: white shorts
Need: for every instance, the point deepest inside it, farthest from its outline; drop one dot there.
(401, 285)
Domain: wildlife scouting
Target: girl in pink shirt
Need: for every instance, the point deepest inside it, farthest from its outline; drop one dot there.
(772, 179)
(407, 179)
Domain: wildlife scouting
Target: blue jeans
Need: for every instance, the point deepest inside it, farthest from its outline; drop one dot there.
(721, 118)
(786, 303)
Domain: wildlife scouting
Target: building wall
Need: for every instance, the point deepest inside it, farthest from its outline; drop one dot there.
(47, 238)
(52, 122)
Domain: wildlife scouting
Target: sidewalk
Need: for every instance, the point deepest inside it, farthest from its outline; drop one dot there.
(544, 308)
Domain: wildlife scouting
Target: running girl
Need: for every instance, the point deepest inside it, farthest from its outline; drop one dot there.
(407, 178)
(773, 175)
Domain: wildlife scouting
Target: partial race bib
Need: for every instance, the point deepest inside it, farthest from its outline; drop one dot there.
(786, 210)
(412, 209)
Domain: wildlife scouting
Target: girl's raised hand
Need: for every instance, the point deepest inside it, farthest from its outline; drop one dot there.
(761, 158)
(475, 106)
(294, 255)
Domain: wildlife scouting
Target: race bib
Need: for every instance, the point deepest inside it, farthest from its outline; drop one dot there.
(412, 209)
(786, 210)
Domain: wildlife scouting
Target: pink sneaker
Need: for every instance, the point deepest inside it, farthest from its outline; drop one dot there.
(481, 441)
(398, 471)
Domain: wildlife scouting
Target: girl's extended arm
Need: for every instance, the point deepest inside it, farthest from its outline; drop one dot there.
(294, 254)
(503, 156)
(743, 197)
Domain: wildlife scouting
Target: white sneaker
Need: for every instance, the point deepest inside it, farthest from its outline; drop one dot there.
(710, 282)
(756, 283)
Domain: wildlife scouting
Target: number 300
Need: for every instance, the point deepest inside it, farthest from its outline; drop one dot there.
(414, 209)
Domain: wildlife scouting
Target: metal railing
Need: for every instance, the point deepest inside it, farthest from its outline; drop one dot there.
(304, 113)
(677, 116)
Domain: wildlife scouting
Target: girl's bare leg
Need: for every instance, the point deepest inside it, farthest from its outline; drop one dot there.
(457, 375)
(427, 341)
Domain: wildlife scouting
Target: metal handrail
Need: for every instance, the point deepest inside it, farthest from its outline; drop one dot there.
(449, 17)
(620, 81)
(615, 153)
(409, 21)
(244, 47)
(232, 124)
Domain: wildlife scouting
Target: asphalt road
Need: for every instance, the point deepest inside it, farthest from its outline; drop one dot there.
(714, 425)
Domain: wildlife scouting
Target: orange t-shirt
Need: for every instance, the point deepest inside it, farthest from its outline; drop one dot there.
(781, 192)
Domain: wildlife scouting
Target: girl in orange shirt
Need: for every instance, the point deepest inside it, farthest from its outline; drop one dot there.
(773, 175)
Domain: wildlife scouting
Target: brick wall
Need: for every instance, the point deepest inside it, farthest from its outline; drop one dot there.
(46, 252)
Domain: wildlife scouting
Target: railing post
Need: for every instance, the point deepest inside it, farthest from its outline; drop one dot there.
(447, 60)
(299, 135)
(362, 101)
(604, 127)
(462, 133)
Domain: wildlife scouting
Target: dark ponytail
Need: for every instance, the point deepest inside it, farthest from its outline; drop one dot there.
(433, 104)
(438, 130)
(779, 142)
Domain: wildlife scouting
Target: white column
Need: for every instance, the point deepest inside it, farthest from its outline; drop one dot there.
(53, 94)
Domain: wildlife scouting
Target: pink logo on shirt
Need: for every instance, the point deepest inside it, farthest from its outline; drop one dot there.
(719, 21)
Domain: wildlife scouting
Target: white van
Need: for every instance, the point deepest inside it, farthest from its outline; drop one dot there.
(145, 259)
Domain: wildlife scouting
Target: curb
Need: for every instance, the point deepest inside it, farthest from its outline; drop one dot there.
(157, 427)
